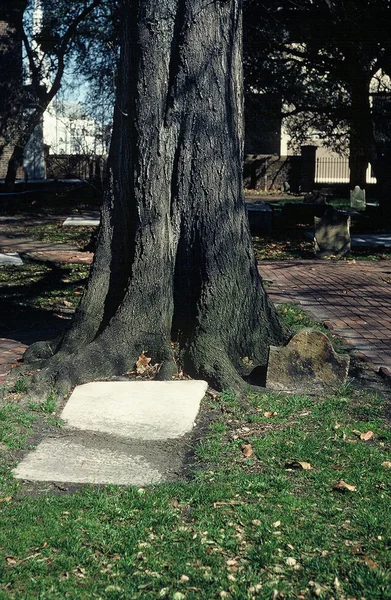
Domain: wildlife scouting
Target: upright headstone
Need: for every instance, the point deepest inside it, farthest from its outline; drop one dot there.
(332, 234)
(308, 167)
(357, 198)
(260, 217)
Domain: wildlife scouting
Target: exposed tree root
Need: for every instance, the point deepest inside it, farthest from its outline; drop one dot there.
(207, 358)
(40, 351)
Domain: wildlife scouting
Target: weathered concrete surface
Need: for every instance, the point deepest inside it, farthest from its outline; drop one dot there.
(69, 460)
(124, 433)
(307, 360)
(11, 259)
(82, 221)
(147, 410)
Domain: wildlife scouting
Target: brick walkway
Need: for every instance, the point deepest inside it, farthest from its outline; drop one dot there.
(353, 298)
(25, 327)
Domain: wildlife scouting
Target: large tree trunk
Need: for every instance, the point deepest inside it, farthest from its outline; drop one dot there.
(174, 261)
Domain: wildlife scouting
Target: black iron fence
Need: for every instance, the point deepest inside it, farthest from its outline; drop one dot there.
(77, 166)
(336, 170)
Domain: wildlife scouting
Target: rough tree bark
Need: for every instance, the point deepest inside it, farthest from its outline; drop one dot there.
(174, 260)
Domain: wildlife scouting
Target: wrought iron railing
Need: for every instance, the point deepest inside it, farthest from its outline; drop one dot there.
(336, 170)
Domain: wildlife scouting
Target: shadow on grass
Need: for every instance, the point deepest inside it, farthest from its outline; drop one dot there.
(27, 313)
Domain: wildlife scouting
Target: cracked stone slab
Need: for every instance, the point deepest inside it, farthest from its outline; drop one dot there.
(144, 410)
(74, 461)
(81, 222)
(11, 259)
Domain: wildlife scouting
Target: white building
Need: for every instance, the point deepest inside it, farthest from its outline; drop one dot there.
(64, 129)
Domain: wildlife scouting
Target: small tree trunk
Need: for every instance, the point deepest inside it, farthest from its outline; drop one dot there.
(14, 163)
(174, 261)
(361, 129)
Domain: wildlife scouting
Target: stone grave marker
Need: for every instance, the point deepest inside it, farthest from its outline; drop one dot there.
(260, 216)
(82, 221)
(11, 259)
(332, 234)
(357, 198)
(306, 362)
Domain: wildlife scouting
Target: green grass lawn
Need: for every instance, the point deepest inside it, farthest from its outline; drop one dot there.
(265, 514)
(294, 245)
(56, 233)
(45, 286)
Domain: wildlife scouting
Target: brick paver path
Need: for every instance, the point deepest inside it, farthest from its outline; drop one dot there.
(23, 330)
(353, 298)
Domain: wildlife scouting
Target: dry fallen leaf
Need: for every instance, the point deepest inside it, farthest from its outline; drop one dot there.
(366, 436)
(386, 464)
(342, 485)
(142, 363)
(371, 563)
(247, 450)
(298, 464)
(232, 562)
(305, 465)
(6, 499)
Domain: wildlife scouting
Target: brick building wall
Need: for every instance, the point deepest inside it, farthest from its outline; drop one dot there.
(266, 172)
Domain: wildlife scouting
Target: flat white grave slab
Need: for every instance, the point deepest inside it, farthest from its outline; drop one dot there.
(65, 460)
(11, 259)
(372, 240)
(81, 222)
(145, 410)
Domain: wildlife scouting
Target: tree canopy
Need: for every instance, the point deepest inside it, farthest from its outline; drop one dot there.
(48, 46)
(327, 61)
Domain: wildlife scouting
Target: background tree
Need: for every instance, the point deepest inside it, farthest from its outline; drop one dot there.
(322, 57)
(174, 274)
(47, 51)
(11, 73)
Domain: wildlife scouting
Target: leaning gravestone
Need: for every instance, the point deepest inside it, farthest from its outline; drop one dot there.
(306, 362)
(332, 234)
(357, 198)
